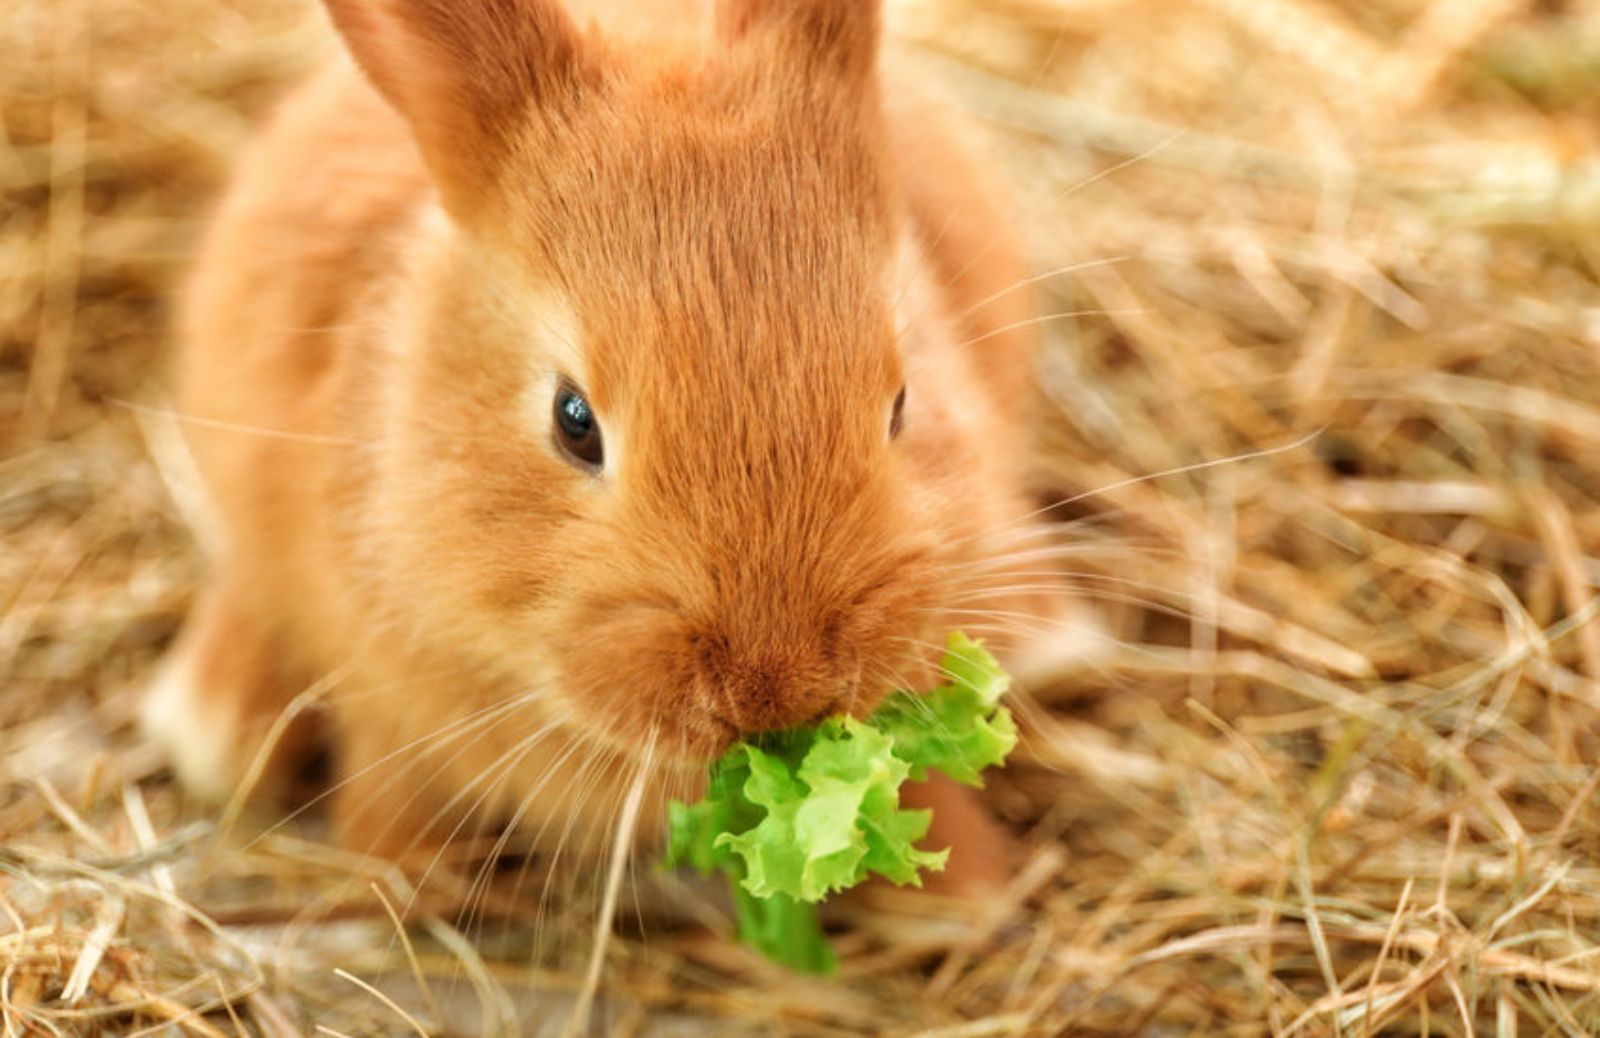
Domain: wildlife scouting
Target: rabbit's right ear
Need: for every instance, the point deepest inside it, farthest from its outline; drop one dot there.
(466, 74)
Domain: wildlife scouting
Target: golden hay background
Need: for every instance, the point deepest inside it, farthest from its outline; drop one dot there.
(1333, 771)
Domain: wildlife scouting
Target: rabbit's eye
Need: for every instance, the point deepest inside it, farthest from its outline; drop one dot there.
(895, 418)
(577, 431)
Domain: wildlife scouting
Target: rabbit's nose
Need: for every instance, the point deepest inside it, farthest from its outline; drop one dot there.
(770, 696)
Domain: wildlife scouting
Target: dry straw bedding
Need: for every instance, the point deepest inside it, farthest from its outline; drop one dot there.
(1328, 408)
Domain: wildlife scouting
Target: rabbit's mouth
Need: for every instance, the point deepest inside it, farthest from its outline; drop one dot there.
(708, 741)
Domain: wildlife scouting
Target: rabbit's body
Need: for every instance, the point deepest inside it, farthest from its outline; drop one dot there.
(740, 258)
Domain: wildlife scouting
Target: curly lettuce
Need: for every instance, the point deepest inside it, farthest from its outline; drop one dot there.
(801, 814)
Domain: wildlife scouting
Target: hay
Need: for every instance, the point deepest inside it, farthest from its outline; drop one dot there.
(1332, 771)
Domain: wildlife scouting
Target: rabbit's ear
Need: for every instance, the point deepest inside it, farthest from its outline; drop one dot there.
(466, 73)
(841, 35)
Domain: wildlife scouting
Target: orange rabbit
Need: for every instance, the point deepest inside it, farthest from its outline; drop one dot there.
(575, 400)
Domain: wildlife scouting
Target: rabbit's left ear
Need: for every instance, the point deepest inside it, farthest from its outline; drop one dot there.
(467, 74)
(837, 35)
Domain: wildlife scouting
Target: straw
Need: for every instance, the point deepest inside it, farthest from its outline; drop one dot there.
(1327, 413)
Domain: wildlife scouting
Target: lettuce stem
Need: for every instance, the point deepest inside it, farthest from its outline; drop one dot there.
(783, 929)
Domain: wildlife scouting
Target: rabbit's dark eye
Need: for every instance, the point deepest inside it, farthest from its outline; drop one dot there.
(895, 418)
(577, 431)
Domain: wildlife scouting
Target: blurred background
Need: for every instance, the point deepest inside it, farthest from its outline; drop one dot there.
(1321, 286)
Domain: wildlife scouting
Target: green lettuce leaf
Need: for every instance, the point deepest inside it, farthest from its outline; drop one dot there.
(831, 820)
(957, 728)
(808, 812)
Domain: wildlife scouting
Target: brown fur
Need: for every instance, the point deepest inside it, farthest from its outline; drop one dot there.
(740, 247)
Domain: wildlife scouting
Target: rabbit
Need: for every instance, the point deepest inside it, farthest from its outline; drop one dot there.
(576, 392)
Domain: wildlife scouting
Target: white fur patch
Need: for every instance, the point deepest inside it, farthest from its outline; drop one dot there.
(198, 738)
